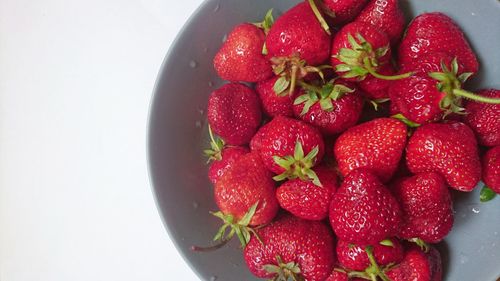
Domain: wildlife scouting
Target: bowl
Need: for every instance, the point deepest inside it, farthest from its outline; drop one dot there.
(178, 134)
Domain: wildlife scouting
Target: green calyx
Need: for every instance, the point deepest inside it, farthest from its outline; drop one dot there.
(361, 60)
(216, 146)
(324, 95)
(292, 70)
(450, 83)
(298, 165)
(240, 228)
(376, 102)
(387, 242)
(487, 194)
(284, 271)
(374, 271)
(421, 243)
(405, 120)
(267, 23)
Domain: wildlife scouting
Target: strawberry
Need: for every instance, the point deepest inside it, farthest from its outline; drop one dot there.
(306, 200)
(245, 195)
(234, 113)
(377, 89)
(431, 32)
(484, 118)
(491, 169)
(418, 266)
(360, 49)
(449, 149)
(291, 249)
(274, 104)
(343, 11)
(227, 156)
(338, 275)
(363, 211)
(385, 15)
(427, 207)
(290, 148)
(376, 145)
(240, 57)
(354, 257)
(256, 141)
(333, 108)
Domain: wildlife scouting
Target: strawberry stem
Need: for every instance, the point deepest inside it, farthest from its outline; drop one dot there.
(368, 66)
(320, 18)
(210, 248)
(374, 270)
(474, 97)
(293, 79)
(309, 87)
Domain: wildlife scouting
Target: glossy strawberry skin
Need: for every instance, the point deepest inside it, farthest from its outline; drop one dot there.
(491, 169)
(234, 113)
(240, 57)
(354, 257)
(417, 266)
(345, 10)
(228, 157)
(306, 200)
(337, 276)
(298, 31)
(244, 183)
(279, 139)
(272, 104)
(427, 207)
(377, 145)
(446, 148)
(363, 211)
(386, 15)
(345, 114)
(375, 88)
(431, 32)
(484, 118)
(310, 244)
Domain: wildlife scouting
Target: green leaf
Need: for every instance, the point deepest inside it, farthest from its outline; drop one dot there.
(349, 53)
(281, 177)
(314, 177)
(444, 67)
(311, 156)
(454, 66)
(221, 232)
(271, 268)
(465, 76)
(486, 194)
(387, 242)
(440, 76)
(240, 236)
(380, 52)
(352, 41)
(298, 152)
(301, 99)
(326, 104)
(264, 49)
(307, 106)
(268, 20)
(326, 90)
(342, 68)
(282, 162)
(246, 234)
(281, 85)
(245, 220)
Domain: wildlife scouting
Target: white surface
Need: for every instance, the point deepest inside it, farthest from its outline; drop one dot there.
(75, 83)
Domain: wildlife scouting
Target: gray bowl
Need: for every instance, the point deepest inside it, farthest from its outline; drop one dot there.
(177, 136)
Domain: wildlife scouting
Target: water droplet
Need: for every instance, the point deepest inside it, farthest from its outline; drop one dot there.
(496, 233)
(193, 64)
(473, 14)
(210, 84)
(213, 278)
(476, 210)
(217, 8)
(195, 205)
(198, 124)
(224, 38)
(463, 258)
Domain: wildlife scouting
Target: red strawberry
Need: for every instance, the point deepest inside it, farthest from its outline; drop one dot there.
(245, 195)
(306, 200)
(387, 16)
(333, 108)
(343, 11)
(338, 276)
(376, 145)
(291, 248)
(234, 113)
(484, 118)
(363, 211)
(354, 257)
(291, 148)
(431, 32)
(427, 207)
(274, 104)
(417, 266)
(491, 169)
(228, 156)
(256, 141)
(360, 49)
(449, 149)
(298, 31)
(240, 57)
(378, 89)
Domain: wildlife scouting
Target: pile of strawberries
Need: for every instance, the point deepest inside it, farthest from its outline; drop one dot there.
(337, 163)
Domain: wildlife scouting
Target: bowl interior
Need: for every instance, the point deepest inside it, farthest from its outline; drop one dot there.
(178, 134)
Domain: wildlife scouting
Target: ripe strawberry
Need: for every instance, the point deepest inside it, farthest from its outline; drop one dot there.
(240, 57)
(417, 266)
(354, 257)
(431, 32)
(387, 16)
(256, 141)
(363, 211)
(227, 156)
(377, 89)
(343, 11)
(245, 195)
(376, 145)
(360, 49)
(449, 149)
(484, 118)
(427, 207)
(338, 276)
(275, 104)
(291, 148)
(291, 248)
(306, 200)
(333, 108)
(491, 169)
(234, 113)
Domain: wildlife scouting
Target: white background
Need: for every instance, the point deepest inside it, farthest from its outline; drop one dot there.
(75, 83)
